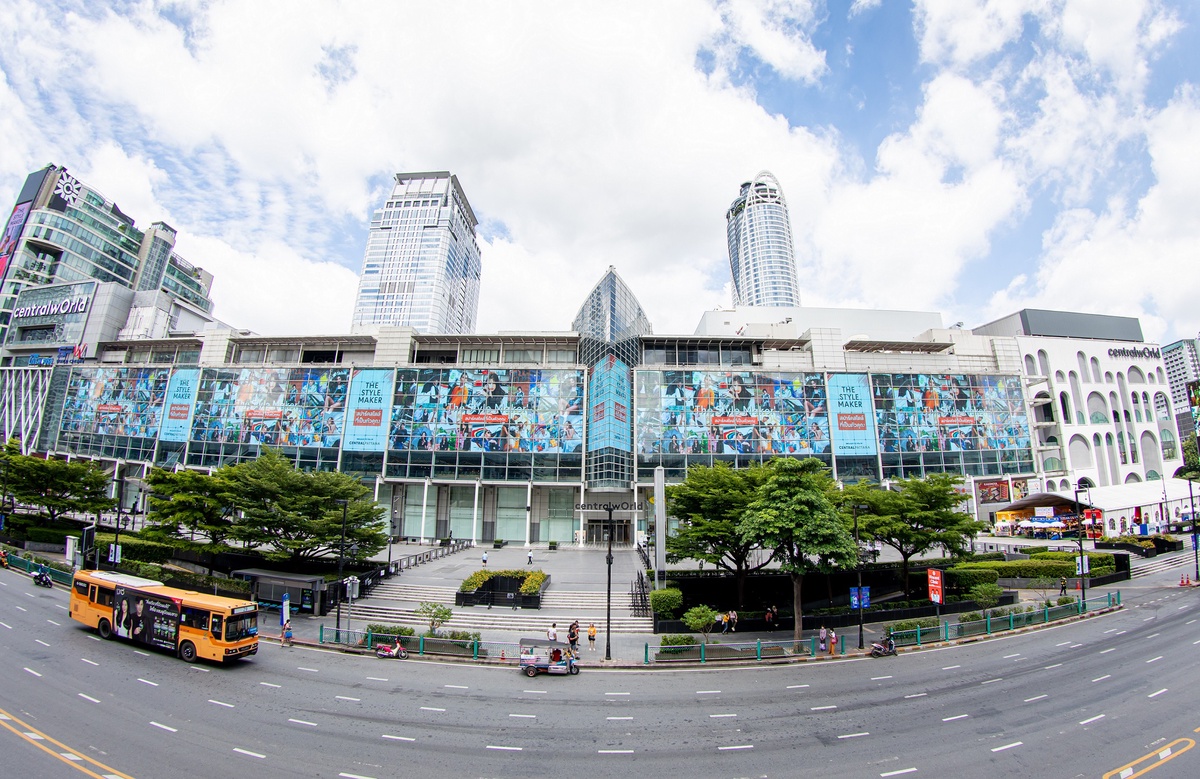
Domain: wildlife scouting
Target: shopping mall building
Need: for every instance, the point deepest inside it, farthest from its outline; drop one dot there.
(516, 436)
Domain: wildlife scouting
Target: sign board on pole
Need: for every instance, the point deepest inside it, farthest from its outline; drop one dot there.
(284, 613)
(860, 598)
(935, 586)
(1082, 565)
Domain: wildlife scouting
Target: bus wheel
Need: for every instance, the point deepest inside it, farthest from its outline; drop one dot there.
(187, 651)
(104, 628)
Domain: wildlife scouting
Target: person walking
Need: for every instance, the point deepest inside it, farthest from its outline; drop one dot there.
(770, 619)
(529, 558)
(552, 633)
(485, 559)
(592, 637)
(724, 622)
(287, 634)
(733, 620)
(573, 636)
(1062, 585)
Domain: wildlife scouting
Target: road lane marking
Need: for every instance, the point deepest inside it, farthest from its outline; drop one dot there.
(901, 771)
(376, 679)
(720, 716)
(505, 749)
(1159, 756)
(40, 641)
(1076, 646)
(221, 703)
(140, 652)
(616, 693)
(1190, 621)
(310, 670)
(1102, 678)
(89, 662)
(451, 686)
(35, 673)
(535, 692)
(1064, 643)
(264, 684)
(956, 716)
(879, 678)
(854, 735)
(708, 692)
(823, 708)
(1008, 746)
(618, 718)
(1017, 654)
(951, 667)
(10, 626)
(614, 751)
(523, 716)
(917, 695)
(740, 746)
(354, 776)
(1106, 651)
(990, 681)
(249, 753)
(1056, 665)
(1153, 659)
(347, 698)
(167, 728)
(796, 686)
(431, 708)
(147, 681)
(397, 738)
(1156, 694)
(1111, 630)
(1153, 635)
(1121, 632)
(52, 622)
(1092, 719)
(303, 722)
(89, 698)
(70, 756)
(1035, 698)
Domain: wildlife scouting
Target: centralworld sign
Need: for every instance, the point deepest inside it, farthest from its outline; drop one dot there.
(626, 506)
(65, 306)
(1144, 352)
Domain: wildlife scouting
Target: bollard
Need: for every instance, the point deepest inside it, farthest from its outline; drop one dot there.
(421, 648)
(841, 645)
(812, 646)
(702, 652)
(946, 630)
(321, 635)
(370, 640)
(988, 619)
(646, 657)
(475, 656)
(918, 637)
(1046, 615)
(758, 653)
(1011, 624)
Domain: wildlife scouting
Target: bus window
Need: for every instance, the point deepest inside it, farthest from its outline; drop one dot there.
(103, 597)
(81, 587)
(216, 625)
(193, 618)
(241, 626)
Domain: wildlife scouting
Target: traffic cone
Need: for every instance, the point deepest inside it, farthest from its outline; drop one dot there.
(1181, 584)
(1187, 582)
(501, 654)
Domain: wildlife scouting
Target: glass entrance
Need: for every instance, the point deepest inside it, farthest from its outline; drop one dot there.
(597, 532)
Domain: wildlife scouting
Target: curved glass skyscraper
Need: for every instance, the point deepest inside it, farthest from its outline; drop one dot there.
(761, 258)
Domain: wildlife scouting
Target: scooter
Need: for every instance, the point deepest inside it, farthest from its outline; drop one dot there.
(3, 558)
(883, 650)
(388, 650)
(42, 579)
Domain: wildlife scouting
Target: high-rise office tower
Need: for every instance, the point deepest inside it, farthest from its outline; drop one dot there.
(62, 231)
(421, 268)
(761, 258)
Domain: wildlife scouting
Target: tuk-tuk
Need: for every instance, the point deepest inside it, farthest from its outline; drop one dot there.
(546, 656)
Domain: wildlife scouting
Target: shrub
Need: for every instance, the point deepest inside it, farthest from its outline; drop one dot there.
(463, 635)
(1025, 569)
(673, 643)
(531, 581)
(963, 579)
(380, 630)
(970, 616)
(1063, 600)
(986, 595)
(134, 548)
(700, 619)
(1097, 561)
(666, 602)
(49, 535)
(913, 624)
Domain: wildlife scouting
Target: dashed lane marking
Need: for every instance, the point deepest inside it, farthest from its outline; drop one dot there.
(917, 695)
(248, 753)
(220, 703)
(1035, 698)
(397, 738)
(898, 773)
(854, 735)
(956, 716)
(1102, 678)
(1008, 746)
(89, 698)
(167, 728)
(1090, 720)
(614, 751)
(1156, 694)
(739, 746)
(796, 686)
(303, 722)
(89, 662)
(505, 749)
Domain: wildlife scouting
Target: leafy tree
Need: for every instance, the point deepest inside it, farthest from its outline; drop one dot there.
(986, 595)
(793, 515)
(709, 504)
(701, 620)
(915, 517)
(56, 486)
(296, 515)
(184, 503)
(1190, 469)
(436, 614)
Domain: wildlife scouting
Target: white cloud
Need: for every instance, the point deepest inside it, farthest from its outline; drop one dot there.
(961, 32)
(775, 31)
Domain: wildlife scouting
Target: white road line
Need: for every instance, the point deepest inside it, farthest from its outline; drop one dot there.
(60, 606)
(1147, 619)
(505, 749)
(854, 735)
(89, 662)
(397, 738)
(1152, 635)
(167, 728)
(618, 718)
(1092, 719)
(249, 753)
(52, 622)
(1102, 678)
(879, 678)
(34, 736)
(740, 746)
(1106, 651)
(523, 716)
(40, 641)
(1008, 746)
(901, 771)
(1190, 621)
(1064, 643)
(1111, 630)
(70, 756)
(1181, 608)
(1153, 659)
(616, 693)
(10, 627)
(951, 667)
(990, 681)
(614, 751)
(1056, 665)
(535, 692)
(708, 692)
(1155, 694)
(956, 716)
(1121, 632)
(89, 698)
(1076, 646)
(796, 686)
(147, 681)
(354, 776)
(140, 652)
(453, 686)
(1018, 654)
(35, 673)
(264, 684)
(347, 698)
(221, 703)
(1036, 698)
(303, 722)
(720, 716)
(310, 670)
(822, 708)
(917, 695)
(376, 679)
(431, 708)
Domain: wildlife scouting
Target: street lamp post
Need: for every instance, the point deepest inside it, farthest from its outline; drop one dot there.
(858, 572)
(341, 565)
(608, 603)
(1195, 551)
(1083, 564)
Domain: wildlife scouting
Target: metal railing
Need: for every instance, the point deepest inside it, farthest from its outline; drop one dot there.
(644, 554)
(639, 593)
(491, 651)
(404, 562)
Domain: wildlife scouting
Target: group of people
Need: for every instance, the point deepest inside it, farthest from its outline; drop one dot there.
(729, 621)
(573, 636)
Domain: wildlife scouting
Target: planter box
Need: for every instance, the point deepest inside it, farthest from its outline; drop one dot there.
(1131, 548)
(1162, 545)
(553, 545)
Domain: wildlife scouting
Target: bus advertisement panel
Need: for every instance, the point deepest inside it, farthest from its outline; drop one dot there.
(145, 619)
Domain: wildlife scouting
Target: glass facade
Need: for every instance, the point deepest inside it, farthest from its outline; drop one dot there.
(762, 260)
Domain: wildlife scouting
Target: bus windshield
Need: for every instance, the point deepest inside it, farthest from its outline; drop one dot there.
(242, 626)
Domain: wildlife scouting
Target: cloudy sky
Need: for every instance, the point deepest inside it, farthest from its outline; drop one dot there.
(970, 157)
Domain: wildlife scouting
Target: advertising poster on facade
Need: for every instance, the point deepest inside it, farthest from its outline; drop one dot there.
(1193, 392)
(919, 412)
(181, 397)
(992, 491)
(369, 407)
(731, 412)
(486, 410)
(12, 234)
(271, 406)
(851, 415)
(145, 618)
(115, 401)
(610, 395)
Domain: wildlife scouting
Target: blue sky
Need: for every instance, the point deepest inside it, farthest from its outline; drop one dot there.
(971, 157)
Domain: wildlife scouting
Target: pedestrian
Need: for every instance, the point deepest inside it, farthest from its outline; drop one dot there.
(287, 633)
(822, 638)
(1062, 585)
(592, 637)
(733, 620)
(832, 641)
(770, 619)
(485, 559)
(573, 636)
(529, 558)
(724, 622)
(552, 633)
(774, 617)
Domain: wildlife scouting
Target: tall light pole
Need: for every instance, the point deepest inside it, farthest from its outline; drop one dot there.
(608, 604)
(1083, 566)
(1195, 551)
(341, 565)
(858, 571)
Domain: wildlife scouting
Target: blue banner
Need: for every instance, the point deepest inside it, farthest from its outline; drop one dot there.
(181, 399)
(851, 417)
(369, 408)
(860, 599)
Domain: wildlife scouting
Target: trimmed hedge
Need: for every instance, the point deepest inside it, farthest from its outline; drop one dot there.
(188, 579)
(1025, 569)
(49, 535)
(666, 602)
(913, 624)
(139, 549)
(675, 643)
(531, 581)
(390, 630)
(962, 579)
(1096, 560)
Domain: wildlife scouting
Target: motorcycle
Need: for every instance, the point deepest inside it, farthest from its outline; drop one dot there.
(387, 650)
(42, 579)
(884, 649)
(3, 558)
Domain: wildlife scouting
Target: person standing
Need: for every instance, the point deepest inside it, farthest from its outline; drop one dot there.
(724, 622)
(485, 559)
(529, 558)
(1062, 585)
(769, 617)
(573, 636)
(832, 641)
(592, 637)
(287, 633)
(822, 639)
(733, 620)
(552, 633)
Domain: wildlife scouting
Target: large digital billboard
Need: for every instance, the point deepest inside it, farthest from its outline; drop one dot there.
(181, 399)
(851, 415)
(486, 410)
(731, 412)
(115, 401)
(271, 406)
(366, 417)
(609, 396)
(921, 412)
(12, 234)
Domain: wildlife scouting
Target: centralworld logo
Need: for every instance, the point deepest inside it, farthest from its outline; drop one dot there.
(1144, 352)
(68, 188)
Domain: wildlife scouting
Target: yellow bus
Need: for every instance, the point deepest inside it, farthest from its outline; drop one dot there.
(193, 625)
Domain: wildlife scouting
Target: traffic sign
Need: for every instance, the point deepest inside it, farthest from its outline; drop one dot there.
(935, 585)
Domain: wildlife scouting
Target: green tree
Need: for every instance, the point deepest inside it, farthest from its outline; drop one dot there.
(916, 516)
(186, 503)
(700, 619)
(986, 595)
(436, 614)
(56, 486)
(793, 515)
(296, 515)
(710, 504)
(1190, 469)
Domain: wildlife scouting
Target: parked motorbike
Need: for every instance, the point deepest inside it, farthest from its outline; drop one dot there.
(388, 650)
(42, 579)
(883, 650)
(3, 558)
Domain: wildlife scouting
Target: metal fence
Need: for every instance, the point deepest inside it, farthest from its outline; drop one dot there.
(404, 562)
(490, 651)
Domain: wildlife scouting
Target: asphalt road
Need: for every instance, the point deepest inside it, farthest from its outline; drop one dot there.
(1080, 699)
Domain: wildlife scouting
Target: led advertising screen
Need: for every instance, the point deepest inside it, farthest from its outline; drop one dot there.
(851, 415)
(1193, 391)
(731, 412)
(115, 401)
(370, 399)
(485, 410)
(181, 397)
(921, 412)
(610, 395)
(271, 406)
(12, 234)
